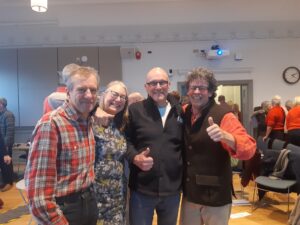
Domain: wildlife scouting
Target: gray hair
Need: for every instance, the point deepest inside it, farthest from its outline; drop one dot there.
(297, 100)
(67, 70)
(83, 72)
(265, 105)
(276, 100)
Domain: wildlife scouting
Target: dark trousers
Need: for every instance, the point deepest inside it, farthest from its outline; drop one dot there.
(79, 208)
(294, 137)
(141, 209)
(6, 170)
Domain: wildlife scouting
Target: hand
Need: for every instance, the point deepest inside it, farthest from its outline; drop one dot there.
(7, 159)
(214, 131)
(143, 161)
(265, 138)
(103, 118)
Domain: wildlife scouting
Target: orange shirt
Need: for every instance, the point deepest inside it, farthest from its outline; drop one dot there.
(245, 144)
(275, 118)
(293, 118)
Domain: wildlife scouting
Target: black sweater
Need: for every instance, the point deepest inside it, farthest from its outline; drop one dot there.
(145, 129)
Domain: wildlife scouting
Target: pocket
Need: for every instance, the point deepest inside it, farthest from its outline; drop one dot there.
(206, 180)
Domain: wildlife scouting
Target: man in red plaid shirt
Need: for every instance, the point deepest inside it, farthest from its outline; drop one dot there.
(60, 168)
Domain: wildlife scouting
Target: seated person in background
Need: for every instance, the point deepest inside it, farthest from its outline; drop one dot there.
(58, 97)
(135, 97)
(176, 95)
(110, 181)
(293, 123)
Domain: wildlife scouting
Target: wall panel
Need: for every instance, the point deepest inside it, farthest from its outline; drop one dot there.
(37, 78)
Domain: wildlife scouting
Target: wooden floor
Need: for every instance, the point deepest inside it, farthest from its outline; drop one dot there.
(274, 214)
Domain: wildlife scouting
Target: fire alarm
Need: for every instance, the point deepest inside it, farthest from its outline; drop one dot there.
(138, 55)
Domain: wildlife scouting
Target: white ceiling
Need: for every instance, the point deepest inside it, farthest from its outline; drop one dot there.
(105, 22)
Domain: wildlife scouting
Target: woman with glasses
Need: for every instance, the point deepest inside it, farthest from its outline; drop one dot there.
(110, 181)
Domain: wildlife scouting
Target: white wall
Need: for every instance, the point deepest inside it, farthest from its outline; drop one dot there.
(263, 62)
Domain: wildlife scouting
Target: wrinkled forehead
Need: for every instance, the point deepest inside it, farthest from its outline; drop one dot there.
(157, 74)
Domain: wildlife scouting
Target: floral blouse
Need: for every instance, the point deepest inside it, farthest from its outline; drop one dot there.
(110, 181)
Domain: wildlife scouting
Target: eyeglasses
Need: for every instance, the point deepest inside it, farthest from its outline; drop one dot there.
(200, 88)
(162, 83)
(83, 90)
(115, 95)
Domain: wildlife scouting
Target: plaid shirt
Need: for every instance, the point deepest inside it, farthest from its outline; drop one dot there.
(60, 162)
(7, 127)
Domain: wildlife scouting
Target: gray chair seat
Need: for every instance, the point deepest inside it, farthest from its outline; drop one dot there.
(274, 185)
(271, 183)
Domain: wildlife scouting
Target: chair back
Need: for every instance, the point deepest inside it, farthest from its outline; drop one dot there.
(278, 144)
(293, 148)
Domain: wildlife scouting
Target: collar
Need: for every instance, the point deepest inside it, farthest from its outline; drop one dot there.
(72, 114)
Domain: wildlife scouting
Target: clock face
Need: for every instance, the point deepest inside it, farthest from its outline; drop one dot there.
(291, 75)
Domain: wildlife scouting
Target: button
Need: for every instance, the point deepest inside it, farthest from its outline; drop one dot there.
(188, 163)
(187, 179)
(190, 147)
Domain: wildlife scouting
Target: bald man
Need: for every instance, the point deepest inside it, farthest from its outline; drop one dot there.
(154, 139)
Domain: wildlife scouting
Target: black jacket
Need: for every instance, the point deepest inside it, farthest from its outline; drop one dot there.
(145, 129)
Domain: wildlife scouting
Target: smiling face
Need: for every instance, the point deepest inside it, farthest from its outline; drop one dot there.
(83, 94)
(198, 93)
(157, 85)
(115, 98)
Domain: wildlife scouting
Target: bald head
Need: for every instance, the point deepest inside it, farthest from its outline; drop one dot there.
(157, 85)
(157, 73)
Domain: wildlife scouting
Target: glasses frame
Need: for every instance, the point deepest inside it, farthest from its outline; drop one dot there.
(200, 88)
(154, 83)
(115, 95)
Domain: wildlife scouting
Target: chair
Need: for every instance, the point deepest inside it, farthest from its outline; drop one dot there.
(266, 183)
(20, 185)
(279, 186)
(292, 147)
(278, 144)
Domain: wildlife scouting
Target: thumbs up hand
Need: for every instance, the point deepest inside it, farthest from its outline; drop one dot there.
(214, 131)
(143, 160)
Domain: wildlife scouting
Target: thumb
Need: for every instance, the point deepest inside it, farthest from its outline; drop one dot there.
(146, 152)
(210, 121)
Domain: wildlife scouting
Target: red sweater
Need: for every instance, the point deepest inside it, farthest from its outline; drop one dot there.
(275, 118)
(293, 118)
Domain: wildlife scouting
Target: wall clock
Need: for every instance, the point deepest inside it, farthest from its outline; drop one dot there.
(291, 75)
